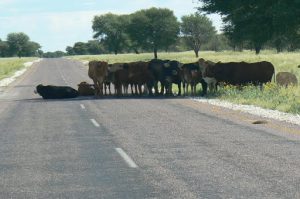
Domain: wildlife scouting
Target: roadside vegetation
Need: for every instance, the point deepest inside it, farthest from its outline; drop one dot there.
(271, 97)
(10, 65)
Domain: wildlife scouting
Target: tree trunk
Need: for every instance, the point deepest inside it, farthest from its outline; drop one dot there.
(155, 52)
(257, 49)
(196, 53)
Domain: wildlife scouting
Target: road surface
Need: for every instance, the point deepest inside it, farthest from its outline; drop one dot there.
(136, 147)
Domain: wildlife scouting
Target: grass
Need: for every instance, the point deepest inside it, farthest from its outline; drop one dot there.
(10, 65)
(272, 96)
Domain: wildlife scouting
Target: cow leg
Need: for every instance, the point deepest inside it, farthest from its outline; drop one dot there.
(204, 87)
(109, 91)
(140, 89)
(96, 87)
(104, 87)
(179, 89)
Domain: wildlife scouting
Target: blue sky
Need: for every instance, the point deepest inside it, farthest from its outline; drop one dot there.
(56, 24)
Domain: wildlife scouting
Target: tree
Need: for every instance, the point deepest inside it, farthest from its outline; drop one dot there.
(17, 43)
(80, 48)
(70, 50)
(111, 29)
(256, 21)
(31, 49)
(3, 48)
(154, 28)
(94, 47)
(197, 30)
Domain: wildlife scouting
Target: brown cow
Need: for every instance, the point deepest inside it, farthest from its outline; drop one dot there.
(238, 73)
(98, 71)
(191, 76)
(139, 75)
(85, 89)
(286, 78)
(210, 81)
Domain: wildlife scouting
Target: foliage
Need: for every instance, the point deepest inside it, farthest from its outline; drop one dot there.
(197, 30)
(154, 28)
(257, 21)
(111, 29)
(9, 65)
(55, 54)
(18, 44)
(92, 47)
(272, 96)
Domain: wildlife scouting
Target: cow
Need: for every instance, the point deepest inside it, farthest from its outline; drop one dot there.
(240, 73)
(286, 78)
(156, 68)
(191, 76)
(172, 74)
(56, 92)
(166, 72)
(121, 80)
(211, 82)
(139, 76)
(85, 89)
(98, 71)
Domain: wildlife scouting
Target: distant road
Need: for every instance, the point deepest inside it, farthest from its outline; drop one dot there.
(136, 147)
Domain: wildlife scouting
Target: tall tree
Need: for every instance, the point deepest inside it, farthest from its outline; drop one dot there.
(255, 20)
(154, 28)
(3, 48)
(111, 29)
(17, 43)
(31, 49)
(197, 30)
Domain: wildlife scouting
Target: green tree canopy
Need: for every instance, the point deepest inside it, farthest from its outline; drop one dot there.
(80, 48)
(111, 29)
(256, 21)
(197, 30)
(153, 28)
(18, 43)
(3, 48)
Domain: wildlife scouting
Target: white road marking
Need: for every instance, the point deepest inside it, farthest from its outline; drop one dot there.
(127, 159)
(82, 106)
(95, 123)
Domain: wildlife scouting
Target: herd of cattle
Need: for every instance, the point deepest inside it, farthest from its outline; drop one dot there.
(144, 77)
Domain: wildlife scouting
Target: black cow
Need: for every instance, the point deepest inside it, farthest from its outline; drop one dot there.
(56, 92)
(166, 72)
(156, 67)
(239, 73)
(172, 74)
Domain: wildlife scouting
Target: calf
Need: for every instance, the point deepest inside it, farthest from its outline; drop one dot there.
(286, 78)
(85, 89)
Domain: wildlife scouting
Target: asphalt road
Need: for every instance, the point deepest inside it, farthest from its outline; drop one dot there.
(136, 147)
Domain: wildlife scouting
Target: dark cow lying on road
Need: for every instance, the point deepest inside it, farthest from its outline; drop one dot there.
(56, 92)
(239, 73)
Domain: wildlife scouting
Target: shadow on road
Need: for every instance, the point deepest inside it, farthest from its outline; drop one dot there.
(92, 98)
